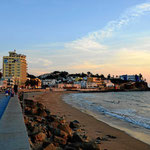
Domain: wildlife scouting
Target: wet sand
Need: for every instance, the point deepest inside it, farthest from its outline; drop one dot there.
(93, 128)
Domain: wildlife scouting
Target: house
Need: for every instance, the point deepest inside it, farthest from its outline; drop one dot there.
(94, 82)
(69, 86)
(108, 83)
(49, 82)
(134, 78)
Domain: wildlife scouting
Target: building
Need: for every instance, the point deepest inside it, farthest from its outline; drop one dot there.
(94, 82)
(49, 82)
(108, 83)
(15, 67)
(69, 86)
(134, 78)
(3, 84)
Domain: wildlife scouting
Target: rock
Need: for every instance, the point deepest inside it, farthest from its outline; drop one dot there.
(77, 138)
(39, 137)
(29, 128)
(60, 140)
(34, 111)
(48, 112)
(62, 120)
(66, 128)
(55, 124)
(31, 143)
(50, 147)
(36, 129)
(52, 118)
(27, 111)
(90, 146)
(39, 105)
(41, 112)
(26, 120)
(74, 124)
(63, 134)
(58, 132)
(29, 103)
(76, 146)
(38, 119)
(70, 148)
(98, 140)
(111, 136)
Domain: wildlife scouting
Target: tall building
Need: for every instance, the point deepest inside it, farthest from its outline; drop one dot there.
(15, 68)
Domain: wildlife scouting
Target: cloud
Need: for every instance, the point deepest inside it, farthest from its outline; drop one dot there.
(85, 44)
(93, 41)
(50, 45)
(127, 17)
(40, 61)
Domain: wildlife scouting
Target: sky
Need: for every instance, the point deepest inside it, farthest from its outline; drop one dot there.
(100, 36)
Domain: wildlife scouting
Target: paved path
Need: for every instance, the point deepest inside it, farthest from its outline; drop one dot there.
(13, 134)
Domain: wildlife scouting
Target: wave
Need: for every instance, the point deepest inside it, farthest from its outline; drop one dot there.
(129, 115)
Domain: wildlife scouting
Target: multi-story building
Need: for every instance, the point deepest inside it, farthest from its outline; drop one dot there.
(134, 78)
(95, 82)
(15, 67)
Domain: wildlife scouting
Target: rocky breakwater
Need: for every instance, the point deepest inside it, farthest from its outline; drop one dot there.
(47, 131)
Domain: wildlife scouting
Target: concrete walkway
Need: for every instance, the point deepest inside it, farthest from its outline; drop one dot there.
(13, 134)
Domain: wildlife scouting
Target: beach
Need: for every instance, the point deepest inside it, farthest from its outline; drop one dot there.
(113, 139)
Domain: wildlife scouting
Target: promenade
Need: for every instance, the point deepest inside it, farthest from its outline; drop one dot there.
(13, 134)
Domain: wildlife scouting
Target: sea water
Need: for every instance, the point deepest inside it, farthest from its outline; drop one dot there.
(128, 111)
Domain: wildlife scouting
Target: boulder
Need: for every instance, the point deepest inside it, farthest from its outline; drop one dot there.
(39, 137)
(50, 147)
(66, 128)
(33, 111)
(55, 124)
(90, 146)
(26, 119)
(77, 137)
(60, 140)
(41, 112)
(39, 105)
(27, 111)
(29, 103)
(74, 124)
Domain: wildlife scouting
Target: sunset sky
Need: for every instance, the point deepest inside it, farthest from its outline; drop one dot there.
(101, 36)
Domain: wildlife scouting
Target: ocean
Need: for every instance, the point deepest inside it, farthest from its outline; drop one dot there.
(127, 111)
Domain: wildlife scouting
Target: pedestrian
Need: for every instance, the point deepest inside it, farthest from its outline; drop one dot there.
(16, 89)
(12, 93)
(6, 93)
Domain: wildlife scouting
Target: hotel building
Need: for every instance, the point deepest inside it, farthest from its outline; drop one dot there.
(15, 68)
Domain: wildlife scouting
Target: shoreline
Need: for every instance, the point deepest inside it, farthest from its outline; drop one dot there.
(93, 127)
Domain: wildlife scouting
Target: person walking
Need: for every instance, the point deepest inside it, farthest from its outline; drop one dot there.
(16, 89)
(6, 93)
(12, 92)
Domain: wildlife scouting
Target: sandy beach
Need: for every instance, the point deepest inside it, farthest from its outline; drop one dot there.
(117, 140)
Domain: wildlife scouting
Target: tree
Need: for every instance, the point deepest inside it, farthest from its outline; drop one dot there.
(108, 77)
(102, 76)
(140, 76)
(31, 76)
(89, 74)
(32, 82)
